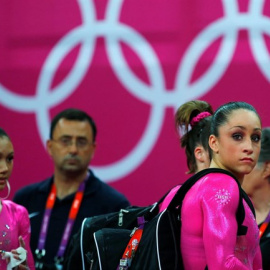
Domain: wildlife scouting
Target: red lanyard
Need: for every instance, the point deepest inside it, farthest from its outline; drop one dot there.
(263, 228)
(264, 225)
(128, 255)
(69, 225)
(132, 246)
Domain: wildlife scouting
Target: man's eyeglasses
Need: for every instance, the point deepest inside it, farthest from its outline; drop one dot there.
(80, 143)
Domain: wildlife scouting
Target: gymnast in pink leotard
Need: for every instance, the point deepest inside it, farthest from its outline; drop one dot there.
(209, 227)
(193, 121)
(14, 219)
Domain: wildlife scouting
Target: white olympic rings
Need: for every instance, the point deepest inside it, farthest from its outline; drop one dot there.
(156, 94)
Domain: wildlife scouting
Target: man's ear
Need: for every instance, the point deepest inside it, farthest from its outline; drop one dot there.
(49, 146)
(213, 143)
(94, 146)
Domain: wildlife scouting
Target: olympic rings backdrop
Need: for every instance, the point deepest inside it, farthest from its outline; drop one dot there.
(129, 64)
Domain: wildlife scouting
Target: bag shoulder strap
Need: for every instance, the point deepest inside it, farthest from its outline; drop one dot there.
(240, 214)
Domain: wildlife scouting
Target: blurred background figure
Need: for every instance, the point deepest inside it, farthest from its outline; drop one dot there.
(193, 122)
(58, 205)
(14, 221)
(257, 186)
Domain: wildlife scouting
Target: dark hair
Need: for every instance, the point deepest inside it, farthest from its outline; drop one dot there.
(74, 115)
(198, 134)
(265, 145)
(221, 115)
(3, 133)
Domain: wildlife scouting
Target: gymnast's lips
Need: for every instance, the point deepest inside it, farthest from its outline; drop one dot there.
(247, 160)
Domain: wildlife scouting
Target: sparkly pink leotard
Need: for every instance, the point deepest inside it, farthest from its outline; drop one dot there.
(14, 221)
(209, 227)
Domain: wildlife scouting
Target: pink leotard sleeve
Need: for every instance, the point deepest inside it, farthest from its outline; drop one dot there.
(209, 227)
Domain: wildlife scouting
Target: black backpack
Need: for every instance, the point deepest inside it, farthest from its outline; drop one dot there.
(102, 240)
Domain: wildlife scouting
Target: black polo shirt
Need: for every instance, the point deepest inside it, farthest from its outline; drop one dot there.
(99, 198)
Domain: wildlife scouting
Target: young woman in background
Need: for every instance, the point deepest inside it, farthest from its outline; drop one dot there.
(257, 186)
(14, 220)
(193, 122)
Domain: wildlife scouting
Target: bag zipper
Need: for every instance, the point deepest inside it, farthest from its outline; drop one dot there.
(120, 217)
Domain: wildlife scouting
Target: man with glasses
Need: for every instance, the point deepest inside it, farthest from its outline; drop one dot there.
(58, 205)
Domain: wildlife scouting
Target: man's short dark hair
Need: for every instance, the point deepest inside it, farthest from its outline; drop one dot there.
(3, 133)
(73, 115)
